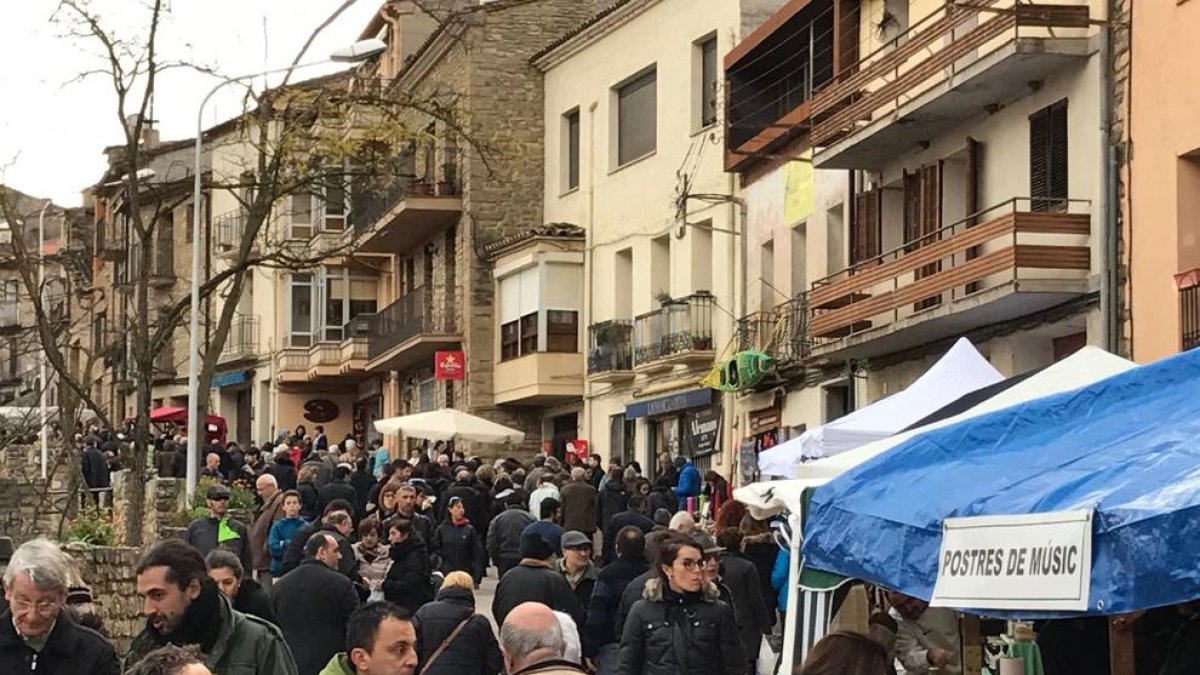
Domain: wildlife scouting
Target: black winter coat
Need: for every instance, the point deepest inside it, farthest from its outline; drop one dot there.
(504, 536)
(668, 633)
(460, 549)
(612, 500)
(70, 650)
(474, 651)
(471, 502)
(336, 490)
(600, 627)
(619, 521)
(579, 506)
(750, 608)
(313, 604)
(535, 581)
(252, 599)
(310, 501)
(407, 581)
(295, 551)
(94, 467)
(284, 472)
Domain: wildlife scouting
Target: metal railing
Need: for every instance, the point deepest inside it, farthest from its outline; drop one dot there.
(372, 204)
(242, 339)
(404, 319)
(781, 332)
(228, 229)
(1189, 317)
(611, 346)
(679, 326)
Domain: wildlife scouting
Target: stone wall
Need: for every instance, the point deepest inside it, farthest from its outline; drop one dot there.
(164, 498)
(109, 572)
(30, 506)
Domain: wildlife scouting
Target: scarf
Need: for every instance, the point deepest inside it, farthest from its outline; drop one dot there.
(459, 522)
(201, 622)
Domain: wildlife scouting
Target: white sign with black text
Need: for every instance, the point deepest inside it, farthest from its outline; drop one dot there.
(1032, 562)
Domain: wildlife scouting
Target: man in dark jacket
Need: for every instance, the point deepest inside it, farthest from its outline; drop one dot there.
(612, 499)
(535, 580)
(313, 604)
(284, 470)
(601, 641)
(35, 634)
(183, 607)
(504, 535)
(463, 487)
(406, 506)
(474, 651)
(218, 530)
(630, 516)
(750, 609)
(338, 488)
(579, 503)
(335, 522)
(94, 466)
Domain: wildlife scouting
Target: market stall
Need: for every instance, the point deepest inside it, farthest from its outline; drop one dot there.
(960, 371)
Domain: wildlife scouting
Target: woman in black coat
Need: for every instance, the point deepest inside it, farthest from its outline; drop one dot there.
(679, 627)
(753, 612)
(407, 582)
(457, 542)
(310, 500)
(474, 651)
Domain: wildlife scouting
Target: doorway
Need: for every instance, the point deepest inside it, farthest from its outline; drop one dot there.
(564, 429)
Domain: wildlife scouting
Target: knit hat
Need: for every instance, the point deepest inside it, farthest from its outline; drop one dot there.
(534, 546)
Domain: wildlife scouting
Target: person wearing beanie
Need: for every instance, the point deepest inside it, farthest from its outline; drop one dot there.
(535, 579)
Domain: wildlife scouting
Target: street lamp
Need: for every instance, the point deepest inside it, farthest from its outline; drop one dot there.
(359, 51)
(45, 432)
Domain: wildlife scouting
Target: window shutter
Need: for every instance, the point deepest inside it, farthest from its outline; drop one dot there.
(867, 209)
(912, 206)
(1057, 156)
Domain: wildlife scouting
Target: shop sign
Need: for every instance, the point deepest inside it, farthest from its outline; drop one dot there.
(703, 431)
(449, 365)
(1030, 562)
(230, 379)
(765, 420)
(666, 405)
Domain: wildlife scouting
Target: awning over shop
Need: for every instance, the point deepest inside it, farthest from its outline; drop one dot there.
(960, 371)
(664, 405)
(1126, 448)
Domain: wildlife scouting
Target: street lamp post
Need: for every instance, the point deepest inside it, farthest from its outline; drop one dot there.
(359, 51)
(45, 433)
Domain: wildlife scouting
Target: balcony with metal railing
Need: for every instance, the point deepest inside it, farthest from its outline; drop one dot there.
(944, 69)
(410, 330)
(610, 351)
(242, 341)
(401, 215)
(780, 332)
(356, 343)
(999, 264)
(228, 230)
(680, 331)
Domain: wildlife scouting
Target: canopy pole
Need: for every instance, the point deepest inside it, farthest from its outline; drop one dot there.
(1120, 645)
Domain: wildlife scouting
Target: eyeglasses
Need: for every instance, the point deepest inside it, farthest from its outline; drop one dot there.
(42, 607)
(691, 564)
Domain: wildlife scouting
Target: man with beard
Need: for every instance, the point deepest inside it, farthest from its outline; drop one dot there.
(36, 635)
(406, 507)
(182, 606)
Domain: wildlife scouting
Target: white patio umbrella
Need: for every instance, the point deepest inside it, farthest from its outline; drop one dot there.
(449, 424)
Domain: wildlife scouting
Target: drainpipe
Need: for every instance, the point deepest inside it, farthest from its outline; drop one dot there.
(589, 267)
(1111, 295)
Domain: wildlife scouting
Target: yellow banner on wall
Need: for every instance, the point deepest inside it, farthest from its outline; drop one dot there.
(798, 195)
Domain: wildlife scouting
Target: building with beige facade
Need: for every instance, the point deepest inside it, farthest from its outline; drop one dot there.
(634, 142)
(929, 171)
(1162, 200)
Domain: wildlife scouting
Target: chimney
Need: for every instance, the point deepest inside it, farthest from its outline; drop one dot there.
(149, 137)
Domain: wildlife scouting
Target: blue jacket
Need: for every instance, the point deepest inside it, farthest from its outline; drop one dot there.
(689, 481)
(779, 577)
(279, 538)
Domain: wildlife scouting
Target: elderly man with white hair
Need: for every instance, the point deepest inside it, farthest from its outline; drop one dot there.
(270, 509)
(531, 639)
(36, 635)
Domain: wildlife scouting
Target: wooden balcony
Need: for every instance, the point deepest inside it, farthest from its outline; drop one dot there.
(1001, 264)
(951, 66)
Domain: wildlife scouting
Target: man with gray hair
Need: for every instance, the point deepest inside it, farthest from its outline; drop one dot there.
(531, 639)
(36, 635)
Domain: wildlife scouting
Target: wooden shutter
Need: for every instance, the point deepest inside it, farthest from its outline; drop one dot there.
(865, 232)
(927, 219)
(1048, 158)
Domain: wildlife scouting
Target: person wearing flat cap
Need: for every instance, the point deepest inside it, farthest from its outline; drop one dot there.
(577, 567)
(535, 579)
(218, 530)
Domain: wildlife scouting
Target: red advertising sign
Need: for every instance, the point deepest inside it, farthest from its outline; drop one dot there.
(578, 446)
(449, 365)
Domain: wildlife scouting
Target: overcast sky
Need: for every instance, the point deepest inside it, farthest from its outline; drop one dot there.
(52, 131)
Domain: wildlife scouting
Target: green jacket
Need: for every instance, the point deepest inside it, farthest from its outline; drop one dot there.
(338, 665)
(246, 645)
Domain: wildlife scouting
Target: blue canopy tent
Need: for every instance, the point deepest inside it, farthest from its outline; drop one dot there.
(1126, 448)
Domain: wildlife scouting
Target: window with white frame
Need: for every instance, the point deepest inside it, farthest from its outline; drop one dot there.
(325, 305)
(300, 311)
(539, 309)
(706, 81)
(637, 117)
(323, 207)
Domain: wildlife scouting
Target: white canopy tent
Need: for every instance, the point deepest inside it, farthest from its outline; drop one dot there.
(1084, 367)
(960, 371)
(449, 424)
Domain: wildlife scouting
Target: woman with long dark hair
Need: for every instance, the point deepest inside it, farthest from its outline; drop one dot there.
(846, 654)
(680, 627)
